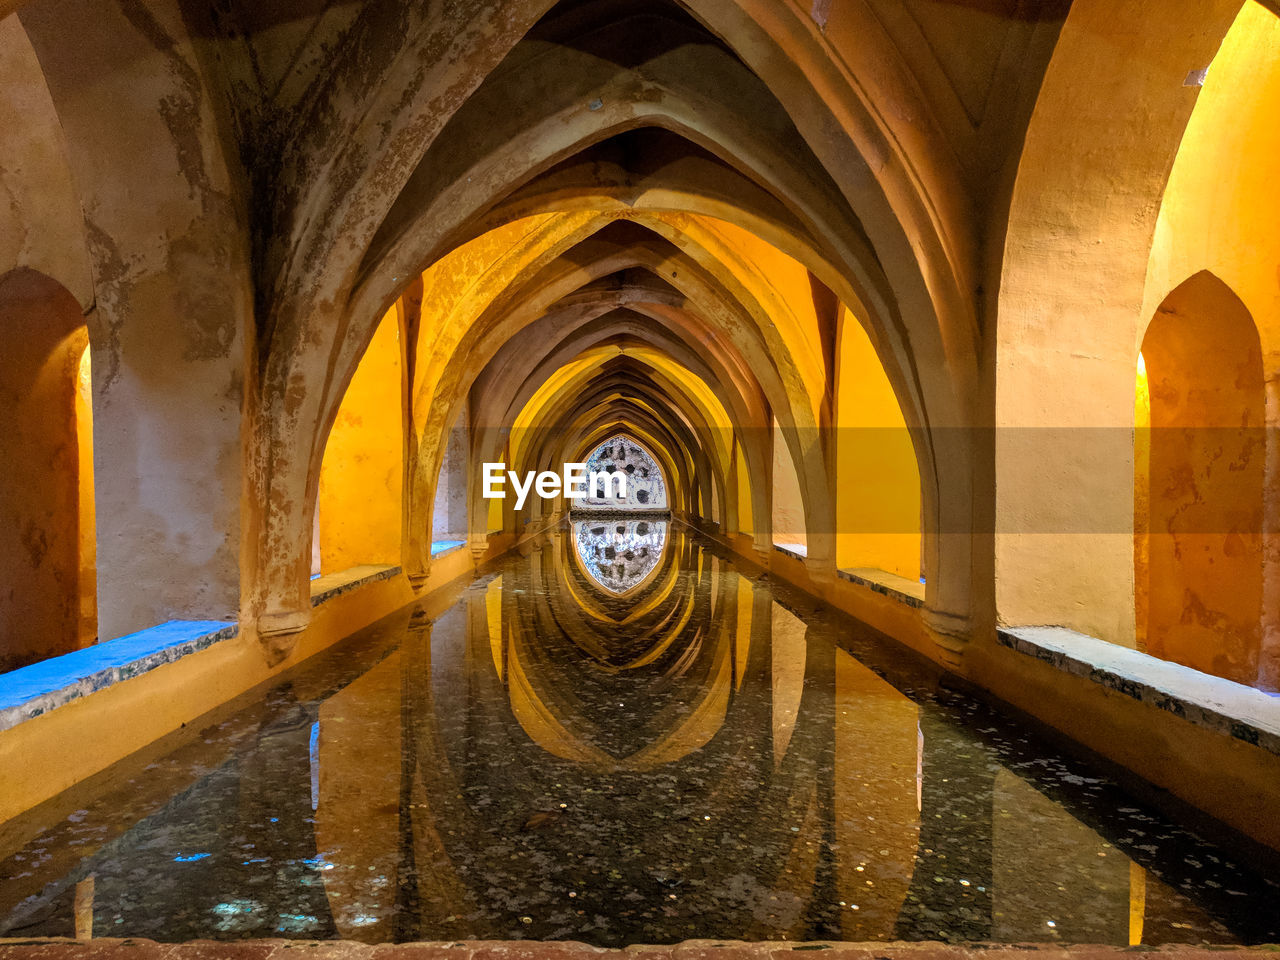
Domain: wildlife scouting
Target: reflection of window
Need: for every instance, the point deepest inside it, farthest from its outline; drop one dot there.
(646, 489)
(620, 554)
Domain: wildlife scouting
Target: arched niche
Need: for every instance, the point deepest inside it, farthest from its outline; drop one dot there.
(1199, 470)
(47, 544)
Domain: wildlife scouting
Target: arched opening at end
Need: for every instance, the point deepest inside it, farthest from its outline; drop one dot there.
(1199, 463)
(623, 475)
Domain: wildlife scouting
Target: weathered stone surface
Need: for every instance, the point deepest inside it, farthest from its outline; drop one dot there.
(563, 950)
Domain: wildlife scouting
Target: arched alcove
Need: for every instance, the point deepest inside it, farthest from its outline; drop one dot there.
(47, 544)
(1199, 471)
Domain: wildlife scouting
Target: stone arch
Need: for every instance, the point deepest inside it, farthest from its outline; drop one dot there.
(1064, 356)
(924, 292)
(726, 311)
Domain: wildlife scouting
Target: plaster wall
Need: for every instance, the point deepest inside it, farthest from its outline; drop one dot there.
(449, 512)
(41, 225)
(171, 306)
(1218, 212)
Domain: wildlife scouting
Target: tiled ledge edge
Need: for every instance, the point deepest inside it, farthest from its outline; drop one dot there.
(890, 584)
(139, 949)
(41, 687)
(1222, 706)
(344, 581)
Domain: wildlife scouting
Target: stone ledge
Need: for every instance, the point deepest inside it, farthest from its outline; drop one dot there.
(344, 581)
(797, 550)
(41, 687)
(1223, 706)
(891, 585)
(440, 547)
(571, 950)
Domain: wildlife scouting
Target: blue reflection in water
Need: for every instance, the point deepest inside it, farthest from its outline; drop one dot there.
(620, 554)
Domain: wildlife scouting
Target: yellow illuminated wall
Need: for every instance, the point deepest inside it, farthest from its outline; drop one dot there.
(88, 531)
(1215, 215)
(362, 476)
(877, 478)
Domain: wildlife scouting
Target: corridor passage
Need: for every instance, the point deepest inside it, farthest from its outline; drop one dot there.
(620, 735)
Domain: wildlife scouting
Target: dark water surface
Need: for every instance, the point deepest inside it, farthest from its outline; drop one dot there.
(708, 754)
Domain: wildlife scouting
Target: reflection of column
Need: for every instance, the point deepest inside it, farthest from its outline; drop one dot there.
(275, 808)
(1137, 902)
(823, 915)
(493, 615)
(876, 812)
(428, 888)
(358, 813)
(84, 909)
(789, 647)
(1055, 878)
(745, 599)
(950, 895)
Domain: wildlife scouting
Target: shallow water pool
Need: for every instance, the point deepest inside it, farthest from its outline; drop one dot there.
(689, 751)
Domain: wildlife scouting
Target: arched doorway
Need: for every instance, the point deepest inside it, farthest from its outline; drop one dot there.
(1199, 473)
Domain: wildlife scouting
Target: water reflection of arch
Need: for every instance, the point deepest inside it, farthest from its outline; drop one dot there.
(620, 553)
(565, 598)
(625, 452)
(732, 785)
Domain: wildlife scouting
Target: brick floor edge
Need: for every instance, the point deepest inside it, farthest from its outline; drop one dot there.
(133, 949)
